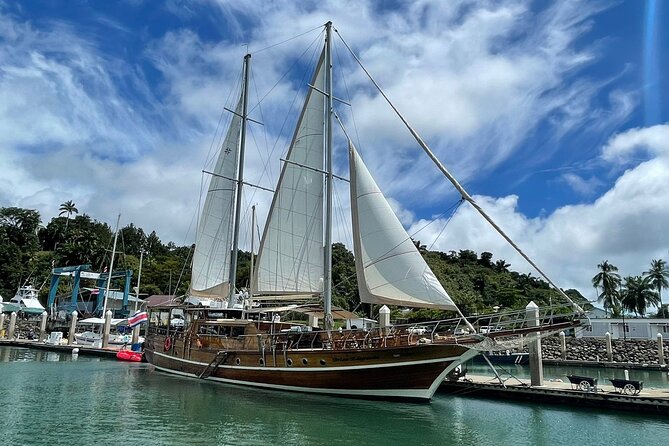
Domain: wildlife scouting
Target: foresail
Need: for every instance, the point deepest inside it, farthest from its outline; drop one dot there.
(390, 269)
(290, 258)
(211, 260)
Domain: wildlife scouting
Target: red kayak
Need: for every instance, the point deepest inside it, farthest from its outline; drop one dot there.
(129, 355)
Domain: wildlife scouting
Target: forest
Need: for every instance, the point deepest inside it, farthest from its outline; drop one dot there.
(478, 283)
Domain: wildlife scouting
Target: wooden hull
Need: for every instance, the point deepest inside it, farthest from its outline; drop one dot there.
(410, 372)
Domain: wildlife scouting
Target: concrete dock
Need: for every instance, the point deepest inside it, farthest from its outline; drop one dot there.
(650, 400)
(83, 349)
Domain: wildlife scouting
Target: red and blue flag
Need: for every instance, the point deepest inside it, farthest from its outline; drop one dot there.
(138, 318)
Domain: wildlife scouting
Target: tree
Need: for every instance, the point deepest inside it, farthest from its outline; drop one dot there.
(18, 246)
(501, 266)
(486, 259)
(637, 295)
(658, 274)
(609, 281)
(67, 208)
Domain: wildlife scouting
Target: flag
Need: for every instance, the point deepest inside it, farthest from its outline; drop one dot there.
(138, 318)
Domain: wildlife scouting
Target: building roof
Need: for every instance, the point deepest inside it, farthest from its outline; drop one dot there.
(158, 299)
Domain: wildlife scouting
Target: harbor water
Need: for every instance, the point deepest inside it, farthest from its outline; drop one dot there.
(49, 398)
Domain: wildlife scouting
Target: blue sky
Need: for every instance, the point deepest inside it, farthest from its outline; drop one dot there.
(553, 114)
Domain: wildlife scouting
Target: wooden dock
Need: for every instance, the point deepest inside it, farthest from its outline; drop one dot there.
(650, 400)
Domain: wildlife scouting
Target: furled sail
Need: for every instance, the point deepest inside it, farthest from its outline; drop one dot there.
(390, 269)
(290, 257)
(211, 260)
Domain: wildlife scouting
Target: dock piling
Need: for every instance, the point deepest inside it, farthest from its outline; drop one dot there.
(609, 347)
(563, 346)
(42, 327)
(12, 325)
(2, 326)
(105, 334)
(536, 363)
(660, 350)
(73, 328)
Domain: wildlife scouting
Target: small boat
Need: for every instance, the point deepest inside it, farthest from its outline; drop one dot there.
(129, 355)
(93, 335)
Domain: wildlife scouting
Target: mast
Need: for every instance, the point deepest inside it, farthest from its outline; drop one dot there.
(239, 181)
(111, 267)
(327, 264)
(139, 277)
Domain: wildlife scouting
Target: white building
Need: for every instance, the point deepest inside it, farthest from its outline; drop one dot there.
(646, 328)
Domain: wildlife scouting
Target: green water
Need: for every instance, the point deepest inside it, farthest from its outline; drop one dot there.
(48, 398)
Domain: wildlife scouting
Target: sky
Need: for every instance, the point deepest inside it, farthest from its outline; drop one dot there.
(553, 115)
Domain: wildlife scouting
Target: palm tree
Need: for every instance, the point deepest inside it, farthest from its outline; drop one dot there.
(67, 208)
(501, 266)
(637, 295)
(658, 274)
(609, 280)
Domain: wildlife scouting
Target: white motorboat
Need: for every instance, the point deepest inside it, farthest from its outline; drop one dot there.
(93, 334)
(25, 300)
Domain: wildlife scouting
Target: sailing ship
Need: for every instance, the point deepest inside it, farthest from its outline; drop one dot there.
(234, 342)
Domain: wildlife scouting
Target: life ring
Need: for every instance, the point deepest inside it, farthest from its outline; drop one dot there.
(168, 343)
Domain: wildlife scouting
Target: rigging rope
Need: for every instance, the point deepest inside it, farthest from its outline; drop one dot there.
(455, 183)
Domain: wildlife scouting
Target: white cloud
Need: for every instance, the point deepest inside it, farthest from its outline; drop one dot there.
(583, 186)
(654, 140)
(626, 225)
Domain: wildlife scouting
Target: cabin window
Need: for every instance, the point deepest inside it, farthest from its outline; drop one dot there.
(289, 362)
(262, 361)
(236, 332)
(208, 330)
(322, 361)
(164, 318)
(305, 361)
(238, 361)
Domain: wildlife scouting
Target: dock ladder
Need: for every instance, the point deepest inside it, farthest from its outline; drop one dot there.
(219, 359)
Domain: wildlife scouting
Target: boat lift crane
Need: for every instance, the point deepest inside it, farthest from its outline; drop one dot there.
(84, 272)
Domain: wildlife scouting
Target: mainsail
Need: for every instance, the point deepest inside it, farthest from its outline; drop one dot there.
(290, 258)
(211, 260)
(390, 269)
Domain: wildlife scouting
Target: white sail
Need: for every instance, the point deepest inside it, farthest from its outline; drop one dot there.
(211, 260)
(290, 257)
(390, 269)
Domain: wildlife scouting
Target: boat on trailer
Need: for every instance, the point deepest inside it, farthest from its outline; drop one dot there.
(237, 343)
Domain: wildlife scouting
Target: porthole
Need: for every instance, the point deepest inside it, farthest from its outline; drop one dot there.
(305, 361)
(322, 361)
(262, 361)
(289, 362)
(238, 361)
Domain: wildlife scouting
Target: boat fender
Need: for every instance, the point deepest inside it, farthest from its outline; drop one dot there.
(168, 343)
